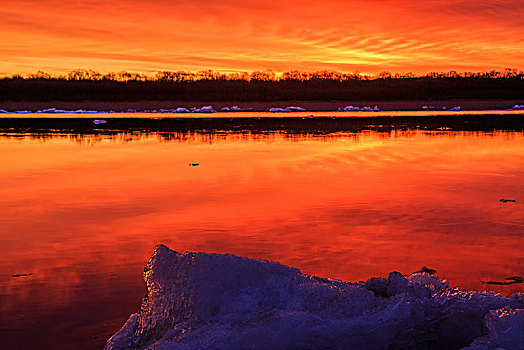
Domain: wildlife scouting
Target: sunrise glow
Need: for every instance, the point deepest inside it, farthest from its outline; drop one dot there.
(357, 35)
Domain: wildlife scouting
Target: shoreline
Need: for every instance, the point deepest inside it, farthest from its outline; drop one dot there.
(259, 106)
(289, 124)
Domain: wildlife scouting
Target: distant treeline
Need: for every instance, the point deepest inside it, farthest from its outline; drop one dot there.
(88, 85)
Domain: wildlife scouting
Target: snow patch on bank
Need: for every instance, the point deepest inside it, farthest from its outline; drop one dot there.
(287, 109)
(198, 301)
(358, 109)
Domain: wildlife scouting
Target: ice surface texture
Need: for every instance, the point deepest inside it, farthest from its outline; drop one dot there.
(214, 301)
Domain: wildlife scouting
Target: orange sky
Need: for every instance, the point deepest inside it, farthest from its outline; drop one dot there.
(243, 35)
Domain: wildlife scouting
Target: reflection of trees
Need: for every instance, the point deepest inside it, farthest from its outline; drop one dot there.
(91, 139)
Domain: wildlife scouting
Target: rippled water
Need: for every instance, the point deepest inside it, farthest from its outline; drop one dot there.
(83, 213)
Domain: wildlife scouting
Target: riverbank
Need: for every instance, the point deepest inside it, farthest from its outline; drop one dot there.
(259, 105)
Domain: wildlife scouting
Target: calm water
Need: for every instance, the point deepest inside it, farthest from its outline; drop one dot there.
(84, 213)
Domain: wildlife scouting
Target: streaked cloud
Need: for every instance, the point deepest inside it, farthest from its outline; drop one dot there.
(230, 35)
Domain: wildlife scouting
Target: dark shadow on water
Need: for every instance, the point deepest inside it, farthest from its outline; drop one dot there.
(316, 125)
(210, 130)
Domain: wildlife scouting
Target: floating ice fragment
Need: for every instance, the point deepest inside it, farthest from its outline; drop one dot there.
(518, 107)
(23, 112)
(100, 121)
(181, 110)
(3, 111)
(454, 109)
(503, 200)
(22, 274)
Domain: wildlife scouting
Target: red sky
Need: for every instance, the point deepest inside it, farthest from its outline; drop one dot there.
(231, 35)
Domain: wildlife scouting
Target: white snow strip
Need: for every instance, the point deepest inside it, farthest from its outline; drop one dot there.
(358, 109)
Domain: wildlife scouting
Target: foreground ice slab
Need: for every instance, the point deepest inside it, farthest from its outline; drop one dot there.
(213, 301)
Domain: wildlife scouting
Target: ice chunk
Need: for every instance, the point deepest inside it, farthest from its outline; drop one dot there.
(429, 280)
(518, 107)
(350, 109)
(198, 300)
(397, 283)
(358, 109)
(505, 330)
(100, 121)
(48, 110)
(295, 109)
(205, 109)
(3, 111)
(23, 112)
(454, 109)
(378, 285)
(286, 110)
(181, 110)
(279, 110)
(231, 109)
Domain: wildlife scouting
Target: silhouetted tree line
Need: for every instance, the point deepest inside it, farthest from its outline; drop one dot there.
(209, 85)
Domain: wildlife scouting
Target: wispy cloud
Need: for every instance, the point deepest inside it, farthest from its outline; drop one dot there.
(254, 34)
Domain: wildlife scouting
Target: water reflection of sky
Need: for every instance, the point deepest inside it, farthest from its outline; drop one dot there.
(83, 213)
